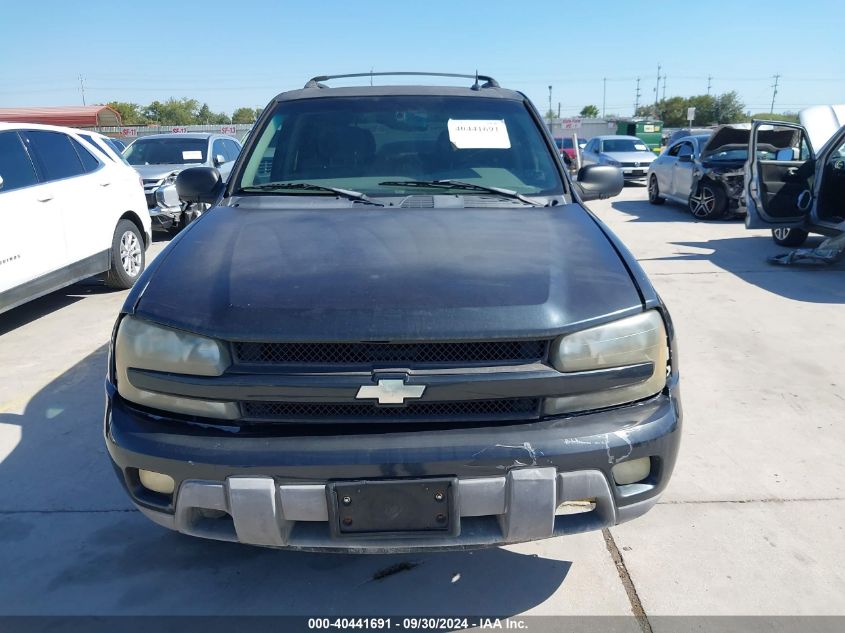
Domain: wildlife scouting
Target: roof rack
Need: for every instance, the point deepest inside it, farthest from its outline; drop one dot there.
(489, 82)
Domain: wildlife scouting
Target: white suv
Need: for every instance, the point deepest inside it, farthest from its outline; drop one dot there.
(68, 210)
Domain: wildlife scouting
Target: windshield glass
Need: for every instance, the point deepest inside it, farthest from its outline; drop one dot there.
(623, 145)
(740, 154)
(357, 143)
(166, 151)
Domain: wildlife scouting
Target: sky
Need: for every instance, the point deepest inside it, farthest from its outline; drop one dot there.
(232, 54)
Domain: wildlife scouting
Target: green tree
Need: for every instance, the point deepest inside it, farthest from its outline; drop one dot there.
(729, 108)
(709, 110)
(243, 115)
(130, 113)
(589, 112)
(790, 117)
(182, 111)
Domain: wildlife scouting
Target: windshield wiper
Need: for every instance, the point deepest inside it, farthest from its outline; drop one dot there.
(458, 184)
(307, 186)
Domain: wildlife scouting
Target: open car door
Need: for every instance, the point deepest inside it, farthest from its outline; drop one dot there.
(779, 175)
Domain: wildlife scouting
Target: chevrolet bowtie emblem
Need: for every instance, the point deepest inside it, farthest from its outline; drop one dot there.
(390, 392)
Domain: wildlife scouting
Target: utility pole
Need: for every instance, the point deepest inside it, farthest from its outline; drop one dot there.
(551, 112)
(558, 109)
(82, 88)
(657, 89)
(774, 93)
(603, 95)
(709, 80)
(637, 100)
(664, 87)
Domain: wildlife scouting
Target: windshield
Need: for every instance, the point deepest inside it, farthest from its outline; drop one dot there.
(740, 154)
(623, 145)
(166, 151)
(363, 143)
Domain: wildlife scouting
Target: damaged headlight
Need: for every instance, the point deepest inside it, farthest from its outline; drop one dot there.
(143, 345)
(634, 340)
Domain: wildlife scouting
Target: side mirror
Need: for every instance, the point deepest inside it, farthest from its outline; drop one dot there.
(597, 182)
(199, 184)
(685, 158)
(219, 159)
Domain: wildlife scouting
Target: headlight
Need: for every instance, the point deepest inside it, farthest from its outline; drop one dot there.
(144, 345)
(171, 179)
(638, 339)
(611, 162)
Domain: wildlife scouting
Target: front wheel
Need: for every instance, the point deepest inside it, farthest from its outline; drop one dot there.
(654, 191)
(127, 256)
(709, 202)
(789, 236)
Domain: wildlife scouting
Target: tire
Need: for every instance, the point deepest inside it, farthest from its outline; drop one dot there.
(709, 202)
(654, 191)
(127, 256)
(789, 236)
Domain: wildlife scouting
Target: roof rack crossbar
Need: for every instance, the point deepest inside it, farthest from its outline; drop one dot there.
(489, 82)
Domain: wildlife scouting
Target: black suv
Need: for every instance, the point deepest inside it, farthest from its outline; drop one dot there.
(398, 328)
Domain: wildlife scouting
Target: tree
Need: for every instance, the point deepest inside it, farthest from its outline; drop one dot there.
(130, 113)
(709, 110)
(182, 111)
(789, 117)
(243, 115)
(589, 112)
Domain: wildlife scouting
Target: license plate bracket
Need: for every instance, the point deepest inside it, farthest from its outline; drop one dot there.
(393, 508)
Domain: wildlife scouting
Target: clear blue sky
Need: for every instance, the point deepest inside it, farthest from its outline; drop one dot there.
(230, 54)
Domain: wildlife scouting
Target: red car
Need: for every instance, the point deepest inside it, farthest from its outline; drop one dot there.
(565, 146)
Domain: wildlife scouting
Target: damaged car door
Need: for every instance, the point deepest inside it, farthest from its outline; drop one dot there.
(779, 175)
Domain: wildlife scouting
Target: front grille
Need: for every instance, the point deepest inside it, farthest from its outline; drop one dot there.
(631, 164)
(400, 354)
(464, 410)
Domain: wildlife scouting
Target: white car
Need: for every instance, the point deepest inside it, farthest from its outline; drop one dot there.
(68, 210)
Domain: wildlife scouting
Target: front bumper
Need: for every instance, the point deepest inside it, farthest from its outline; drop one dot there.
(635, 173)
(271, 491)
(164, 217)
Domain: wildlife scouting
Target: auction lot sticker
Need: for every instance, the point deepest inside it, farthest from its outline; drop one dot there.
(479, 134)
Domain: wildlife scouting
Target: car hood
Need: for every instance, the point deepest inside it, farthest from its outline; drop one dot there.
(822, 122)
(250, 272)
(738, 136)
(631, 157)
(157, 172)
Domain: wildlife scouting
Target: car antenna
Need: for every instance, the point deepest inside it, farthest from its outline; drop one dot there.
(475, 86)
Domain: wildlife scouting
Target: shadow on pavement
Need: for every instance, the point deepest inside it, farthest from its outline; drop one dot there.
(746, 256)
(37, 308)
(642, 211)
(77, 546)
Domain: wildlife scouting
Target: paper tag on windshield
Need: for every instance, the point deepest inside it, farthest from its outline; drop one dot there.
(641, 147)
(479, 134)
(192, 154)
